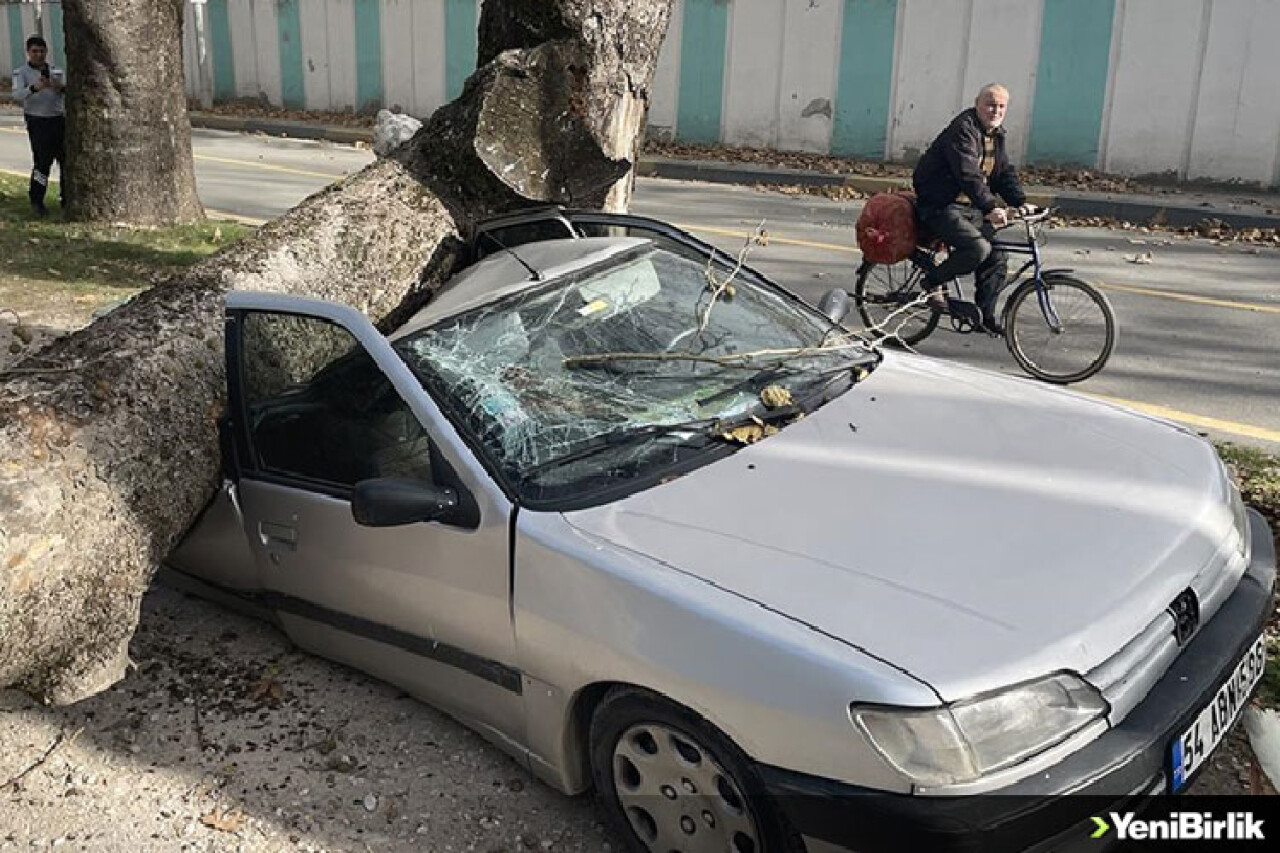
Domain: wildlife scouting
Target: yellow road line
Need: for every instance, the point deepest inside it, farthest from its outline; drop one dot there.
(1229, 427)
(234, 217)
(269, 166)
(1187, 297)
(786, 241)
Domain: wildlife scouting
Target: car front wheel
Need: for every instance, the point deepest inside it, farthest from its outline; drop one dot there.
(670, 781)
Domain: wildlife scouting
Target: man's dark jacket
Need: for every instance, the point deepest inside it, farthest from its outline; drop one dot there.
(951, 166)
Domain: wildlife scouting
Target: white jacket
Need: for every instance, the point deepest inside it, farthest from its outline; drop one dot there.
(46, 102)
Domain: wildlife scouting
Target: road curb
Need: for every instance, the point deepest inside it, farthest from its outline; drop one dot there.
(282, 128)
(1108, 205)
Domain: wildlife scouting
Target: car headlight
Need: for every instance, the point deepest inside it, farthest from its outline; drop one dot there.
(1244, 543)
(961, 742)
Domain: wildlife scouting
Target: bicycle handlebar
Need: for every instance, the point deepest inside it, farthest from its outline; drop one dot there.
(1040, 214)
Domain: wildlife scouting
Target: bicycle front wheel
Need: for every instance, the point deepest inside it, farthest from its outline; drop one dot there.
(888, 297)
(1064, 334)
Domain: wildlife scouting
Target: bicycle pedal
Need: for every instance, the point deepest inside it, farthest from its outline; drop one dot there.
(965, 316)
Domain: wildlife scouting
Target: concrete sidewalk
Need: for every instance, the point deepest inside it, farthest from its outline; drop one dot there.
(1184, 208)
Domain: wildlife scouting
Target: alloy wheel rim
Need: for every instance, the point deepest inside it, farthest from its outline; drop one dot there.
(677, 797)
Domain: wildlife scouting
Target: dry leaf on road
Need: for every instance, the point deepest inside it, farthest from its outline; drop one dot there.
(224, 820)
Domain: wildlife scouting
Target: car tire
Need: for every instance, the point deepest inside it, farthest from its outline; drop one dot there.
(670, 781)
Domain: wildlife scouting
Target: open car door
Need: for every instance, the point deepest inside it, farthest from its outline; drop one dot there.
(328, 423)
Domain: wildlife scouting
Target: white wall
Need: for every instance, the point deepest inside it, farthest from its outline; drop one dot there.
(1192, 85)
(666, 79)
(810, 57)
(754, 48)
(928, 72)
(1155, 85)
(1238, 106)
(1004, 47)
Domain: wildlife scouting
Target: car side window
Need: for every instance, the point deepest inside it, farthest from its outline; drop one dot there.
(319, 408)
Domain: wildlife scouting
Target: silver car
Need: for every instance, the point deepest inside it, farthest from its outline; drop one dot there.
(653, 525)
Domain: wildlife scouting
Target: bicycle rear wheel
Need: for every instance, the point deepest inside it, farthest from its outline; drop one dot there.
(1064, 337)
(888, 298)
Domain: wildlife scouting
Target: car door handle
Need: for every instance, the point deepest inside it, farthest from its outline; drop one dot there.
(278, 537)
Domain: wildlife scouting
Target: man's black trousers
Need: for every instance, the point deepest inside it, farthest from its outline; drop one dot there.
(963, 228)
(46, 134)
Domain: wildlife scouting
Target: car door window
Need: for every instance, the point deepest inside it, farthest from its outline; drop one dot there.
(319, 408)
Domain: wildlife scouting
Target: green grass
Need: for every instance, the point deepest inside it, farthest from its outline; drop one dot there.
(1258, 475)
(54, 251)
(1269, 689)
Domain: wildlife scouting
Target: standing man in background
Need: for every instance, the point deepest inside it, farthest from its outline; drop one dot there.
(957, 182)
(38, 86)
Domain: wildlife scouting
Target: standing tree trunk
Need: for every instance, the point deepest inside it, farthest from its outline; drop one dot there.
(128, 134)
(108, 446)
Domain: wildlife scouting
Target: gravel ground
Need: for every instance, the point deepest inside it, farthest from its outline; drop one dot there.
(224, 737)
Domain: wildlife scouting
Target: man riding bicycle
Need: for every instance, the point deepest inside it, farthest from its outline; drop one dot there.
(956, 184)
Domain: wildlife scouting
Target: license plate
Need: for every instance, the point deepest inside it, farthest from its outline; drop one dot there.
(1210, 726)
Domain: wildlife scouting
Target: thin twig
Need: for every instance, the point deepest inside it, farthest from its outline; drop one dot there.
(719, 287)
(57, 742)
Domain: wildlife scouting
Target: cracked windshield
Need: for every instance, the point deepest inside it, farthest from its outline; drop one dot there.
(628, 367)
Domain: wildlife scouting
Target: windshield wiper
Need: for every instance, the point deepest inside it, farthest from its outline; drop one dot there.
(755, 382)
(758, 381)
(703, 427)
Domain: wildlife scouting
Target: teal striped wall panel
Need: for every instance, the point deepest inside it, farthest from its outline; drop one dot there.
(17, 48)
(293, 92)
(368, 15)
(461, 44)
(224, 65)
(1071, 81)
(702, 56)
(865, 78)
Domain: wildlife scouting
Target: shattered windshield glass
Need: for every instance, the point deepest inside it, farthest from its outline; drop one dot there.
(630, 367)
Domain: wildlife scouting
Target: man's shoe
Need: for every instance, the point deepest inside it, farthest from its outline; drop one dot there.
(38, 208)
(992, 326)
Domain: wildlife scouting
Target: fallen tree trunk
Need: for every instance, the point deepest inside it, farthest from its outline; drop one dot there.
(108, 436)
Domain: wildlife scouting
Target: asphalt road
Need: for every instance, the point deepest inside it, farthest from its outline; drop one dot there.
(1199, 325)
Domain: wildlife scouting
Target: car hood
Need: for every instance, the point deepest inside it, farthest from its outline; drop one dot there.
(973, 529)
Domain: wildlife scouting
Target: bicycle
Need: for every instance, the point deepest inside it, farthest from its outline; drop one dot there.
(1064, 335)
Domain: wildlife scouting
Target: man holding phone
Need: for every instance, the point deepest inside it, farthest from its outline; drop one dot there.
(38, 86)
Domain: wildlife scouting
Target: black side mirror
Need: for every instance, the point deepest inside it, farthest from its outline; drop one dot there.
(834, 304)
(388, 502)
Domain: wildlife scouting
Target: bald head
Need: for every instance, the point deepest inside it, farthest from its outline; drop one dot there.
(991, 103)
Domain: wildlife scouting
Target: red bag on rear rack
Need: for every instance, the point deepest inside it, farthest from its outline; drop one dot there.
(887, 227)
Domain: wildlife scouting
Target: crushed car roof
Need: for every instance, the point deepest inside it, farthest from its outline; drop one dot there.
(503, 273)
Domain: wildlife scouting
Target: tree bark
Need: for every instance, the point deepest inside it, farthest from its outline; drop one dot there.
(128, 140)
(108, 436)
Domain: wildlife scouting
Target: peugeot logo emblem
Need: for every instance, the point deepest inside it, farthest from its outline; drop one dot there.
(1185, 610)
